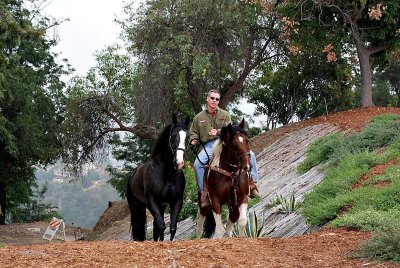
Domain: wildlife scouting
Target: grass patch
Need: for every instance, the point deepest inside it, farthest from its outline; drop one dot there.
(382, 131)
(336, 192)
(320, 151)
(371, 207)
(370, 220)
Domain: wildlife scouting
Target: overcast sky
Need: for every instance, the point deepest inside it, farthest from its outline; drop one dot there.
(90, 28)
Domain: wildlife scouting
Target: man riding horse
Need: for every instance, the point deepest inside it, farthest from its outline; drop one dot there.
(205, 129)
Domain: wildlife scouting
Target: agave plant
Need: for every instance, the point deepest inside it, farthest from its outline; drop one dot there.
(287, 204)
(251, 229)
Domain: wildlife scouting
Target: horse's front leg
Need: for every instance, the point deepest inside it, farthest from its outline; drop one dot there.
(176, 208)
(158, 223)
(158, 233)
(242, 218)
(219, 228)
(233, 218)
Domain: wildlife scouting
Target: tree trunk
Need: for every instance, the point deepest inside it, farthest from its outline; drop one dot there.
(193, 91)
(2, 204)
(366, 80)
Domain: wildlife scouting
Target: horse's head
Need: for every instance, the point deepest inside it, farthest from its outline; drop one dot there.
(179, 140)
(236, 139)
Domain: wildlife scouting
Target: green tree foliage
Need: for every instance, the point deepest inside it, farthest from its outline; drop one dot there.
(188, 47)
(29, 99)
(305, 86)
(388, 82)
(372, 26)
(36, 209)
(99, 106)
(178, 51)
(132, 151)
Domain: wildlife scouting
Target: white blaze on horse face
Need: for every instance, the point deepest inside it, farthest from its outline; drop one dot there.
(180, 153)
(241, 139)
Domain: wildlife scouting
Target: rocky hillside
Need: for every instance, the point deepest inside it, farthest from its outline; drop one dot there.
(278, 152)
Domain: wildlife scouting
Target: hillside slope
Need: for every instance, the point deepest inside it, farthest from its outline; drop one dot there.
(278, 153)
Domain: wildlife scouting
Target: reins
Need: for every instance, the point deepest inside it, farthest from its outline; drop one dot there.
(196, 148)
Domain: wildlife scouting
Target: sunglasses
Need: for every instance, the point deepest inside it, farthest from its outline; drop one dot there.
(214, 98)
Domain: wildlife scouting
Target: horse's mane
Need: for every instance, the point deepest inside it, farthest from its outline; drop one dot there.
(162, 142)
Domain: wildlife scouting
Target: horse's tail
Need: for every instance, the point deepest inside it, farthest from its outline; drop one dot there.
(209, 224)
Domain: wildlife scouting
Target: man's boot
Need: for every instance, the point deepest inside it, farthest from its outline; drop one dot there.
(204, 196)
(204, 199)
(253, 189)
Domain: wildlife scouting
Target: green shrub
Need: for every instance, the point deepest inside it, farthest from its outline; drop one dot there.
(190, 205)
(369, 220)
(368, 207)
(384, 246)
(382, 131)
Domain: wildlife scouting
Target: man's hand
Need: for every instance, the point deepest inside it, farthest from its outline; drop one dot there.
(194, 142)
(213, 132)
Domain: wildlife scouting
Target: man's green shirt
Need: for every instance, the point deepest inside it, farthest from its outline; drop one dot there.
(203, 122)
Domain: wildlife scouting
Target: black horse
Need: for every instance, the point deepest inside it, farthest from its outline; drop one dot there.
(159, 181)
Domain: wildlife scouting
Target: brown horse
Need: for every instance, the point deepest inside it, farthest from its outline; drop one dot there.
(227, 180)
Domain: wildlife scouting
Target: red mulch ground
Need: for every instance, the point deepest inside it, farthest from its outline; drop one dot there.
(327, 248)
